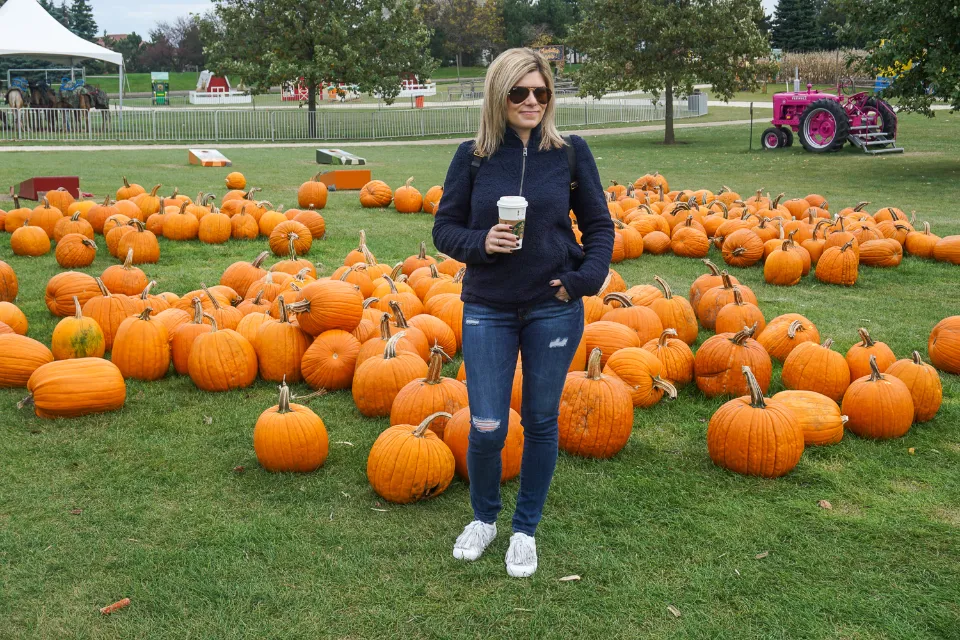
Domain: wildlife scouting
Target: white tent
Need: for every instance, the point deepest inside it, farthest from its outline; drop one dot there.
(27, 30)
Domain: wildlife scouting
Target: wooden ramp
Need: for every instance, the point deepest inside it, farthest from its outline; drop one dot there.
(208, 158)
(338, 156)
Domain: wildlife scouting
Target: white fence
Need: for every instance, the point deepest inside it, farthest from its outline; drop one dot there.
(211, 125)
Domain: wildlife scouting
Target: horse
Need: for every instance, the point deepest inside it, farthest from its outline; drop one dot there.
(14, 98)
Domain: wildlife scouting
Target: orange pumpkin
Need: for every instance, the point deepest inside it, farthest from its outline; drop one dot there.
(596, 412)
(376, 194)
(456, 435)
(290, 437)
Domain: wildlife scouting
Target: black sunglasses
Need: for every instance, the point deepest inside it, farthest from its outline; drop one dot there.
(517, 95)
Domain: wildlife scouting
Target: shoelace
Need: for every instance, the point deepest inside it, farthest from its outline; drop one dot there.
(523, 552)
(472, 535)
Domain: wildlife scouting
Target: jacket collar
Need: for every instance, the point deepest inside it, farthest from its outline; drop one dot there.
(512, 140)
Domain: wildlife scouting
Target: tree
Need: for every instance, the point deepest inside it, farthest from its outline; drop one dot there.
(184, 36)
(795, 25)
(364, 42)
(130, 47)
(158, 54)
(679, 43)
(81, 20)
(464, 27)
(914, 41)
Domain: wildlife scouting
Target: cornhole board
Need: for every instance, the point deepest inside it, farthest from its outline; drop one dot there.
(208, 158)
(345, 179)
(32, 188)
(338, 156)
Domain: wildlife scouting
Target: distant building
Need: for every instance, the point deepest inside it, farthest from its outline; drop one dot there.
(111, 37)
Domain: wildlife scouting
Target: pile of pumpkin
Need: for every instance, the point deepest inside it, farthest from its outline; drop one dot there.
(385, 330)
(791, 238)
(135, 220)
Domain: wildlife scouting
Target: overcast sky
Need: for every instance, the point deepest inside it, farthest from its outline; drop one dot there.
(124, 16)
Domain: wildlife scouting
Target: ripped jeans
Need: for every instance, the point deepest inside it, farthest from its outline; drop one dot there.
(547, 336)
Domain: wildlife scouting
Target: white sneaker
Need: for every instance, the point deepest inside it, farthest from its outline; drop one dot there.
(475, 538)
(521, 556)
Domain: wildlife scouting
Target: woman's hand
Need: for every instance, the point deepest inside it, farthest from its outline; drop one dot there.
(561, 293)
(500, 239)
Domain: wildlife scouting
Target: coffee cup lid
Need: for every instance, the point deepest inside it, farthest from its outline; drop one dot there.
(512, 201)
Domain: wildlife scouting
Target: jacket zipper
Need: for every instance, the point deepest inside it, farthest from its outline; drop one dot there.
(523, 169)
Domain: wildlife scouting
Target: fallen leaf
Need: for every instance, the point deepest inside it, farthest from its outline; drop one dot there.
(736, 571)
(207, 420)
(239, 469)
(76, 512)
(824, 504)
(569, 578)
(526, 610)
(345, 494)
(380, 510)
(672, 609)
(349, 444)
(912, 451)
(761, 556)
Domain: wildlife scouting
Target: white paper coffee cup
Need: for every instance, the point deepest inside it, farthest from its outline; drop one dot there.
(513, 211)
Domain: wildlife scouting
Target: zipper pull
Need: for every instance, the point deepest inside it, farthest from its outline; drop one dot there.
(524, 152)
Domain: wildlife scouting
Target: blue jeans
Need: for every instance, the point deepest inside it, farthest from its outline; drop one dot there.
(547, 336)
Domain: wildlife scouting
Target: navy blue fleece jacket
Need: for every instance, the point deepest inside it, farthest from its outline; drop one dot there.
(550, 250)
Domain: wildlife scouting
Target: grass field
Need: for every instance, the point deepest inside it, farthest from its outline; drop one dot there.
(205, 549)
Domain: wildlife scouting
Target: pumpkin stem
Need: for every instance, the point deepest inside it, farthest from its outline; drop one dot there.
(714, 270)
(385, 333)
(666, 387)
(369, 301)
(103, 288)
(397, 271)
(46, 203)
(756, 393)
(776, 202)
(419, 431)
(848, 245)
(741, 336)
(259, 259)
(458, 278)
(916, 358)
(664, 340)
(90, 243)
(197, 311)
(293, 249)
(390, 351)
(28, 401)
(795, 326)
(145, 315)
(875, 374)
(213, 301)
(391, 283)
(125, 183)
(828, 343)
(284, 405)
(737, 296)
(786, 245)
(146, 290)
(865, 337)
(593, 365)
(399, 319)
(283, 310)
(860, 206)
(302, 274)
(621, 298)
(213, 322)
(139, 225)
(79, 314)
(252, 191)
(727, 282)
(183, 207)
(437, 356)
(434, 274)
(667, 293)
(153, 192)
(423, 248)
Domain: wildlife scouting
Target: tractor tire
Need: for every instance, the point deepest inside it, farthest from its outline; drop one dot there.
(824, 126)
(887, 125)
(787, 136)
(772, 139)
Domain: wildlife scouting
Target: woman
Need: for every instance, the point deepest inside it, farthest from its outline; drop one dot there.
(520, 300)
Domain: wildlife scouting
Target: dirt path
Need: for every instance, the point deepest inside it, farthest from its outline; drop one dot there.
(371, 143)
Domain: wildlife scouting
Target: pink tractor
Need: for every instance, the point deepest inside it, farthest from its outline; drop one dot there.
(825, 122)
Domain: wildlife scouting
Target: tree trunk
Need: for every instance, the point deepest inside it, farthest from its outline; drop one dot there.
(312, 110)
(668, 137)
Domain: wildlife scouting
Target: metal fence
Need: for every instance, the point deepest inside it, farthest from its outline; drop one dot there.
(215, 125)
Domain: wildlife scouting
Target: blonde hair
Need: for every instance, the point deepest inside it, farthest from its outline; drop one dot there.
(502, 75)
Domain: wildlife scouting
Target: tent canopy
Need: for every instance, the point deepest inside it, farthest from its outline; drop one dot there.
(29, 31)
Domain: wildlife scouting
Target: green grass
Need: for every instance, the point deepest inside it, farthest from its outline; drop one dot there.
(206, 551)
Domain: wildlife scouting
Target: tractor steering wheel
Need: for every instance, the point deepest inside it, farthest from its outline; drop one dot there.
(846, 86)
